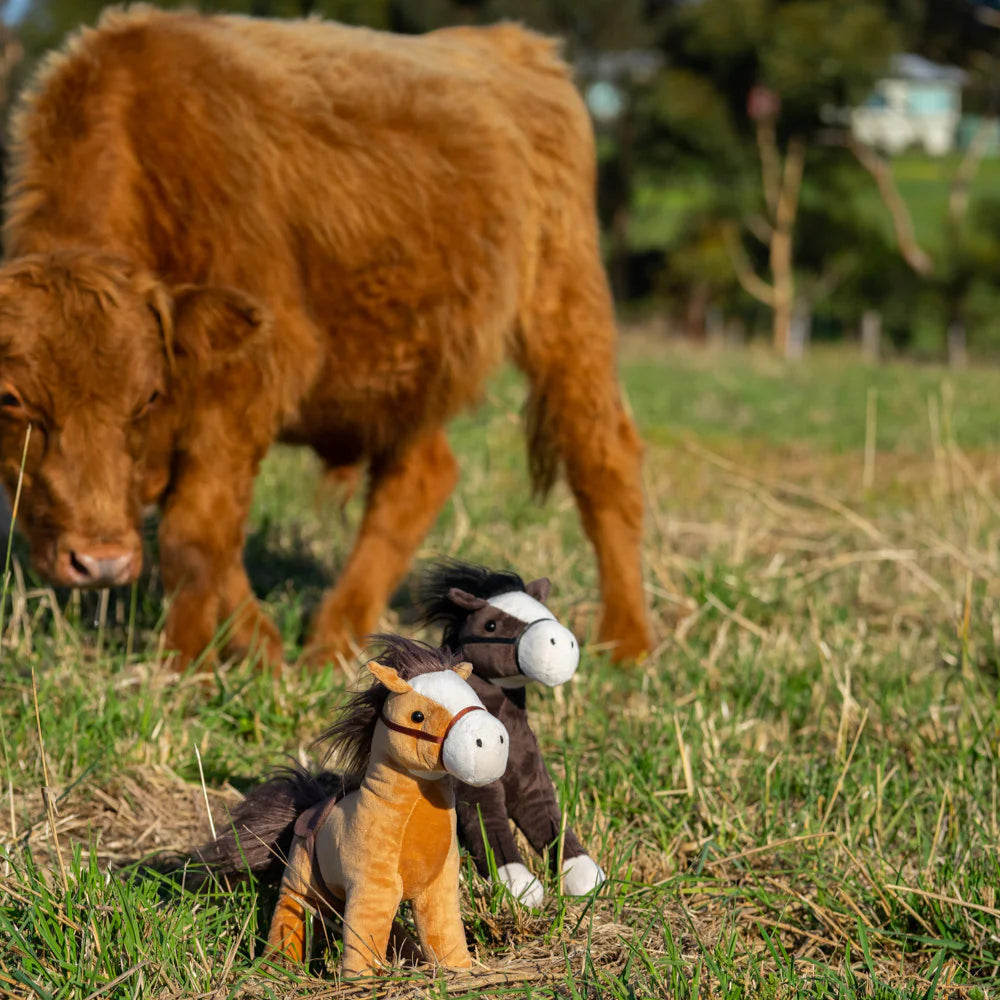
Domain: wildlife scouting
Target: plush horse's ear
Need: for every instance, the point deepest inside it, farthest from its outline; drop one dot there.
(388, 677)
(539, 589)
(465, 600)
(464, 670)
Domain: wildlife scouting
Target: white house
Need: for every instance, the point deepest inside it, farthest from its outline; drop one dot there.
(919, 103)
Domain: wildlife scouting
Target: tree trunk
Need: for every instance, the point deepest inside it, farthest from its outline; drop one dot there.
(782, 270)
(715, 327)
(957, 347)
(871, 335)
(799, 330)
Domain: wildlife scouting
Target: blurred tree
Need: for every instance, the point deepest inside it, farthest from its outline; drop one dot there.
(959, 277)
(745, 98)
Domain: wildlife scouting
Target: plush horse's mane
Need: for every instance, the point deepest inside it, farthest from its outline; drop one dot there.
(350, 736)
(436, 608)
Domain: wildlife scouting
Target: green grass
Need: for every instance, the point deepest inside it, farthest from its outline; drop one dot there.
(821, 404)
(796, 795)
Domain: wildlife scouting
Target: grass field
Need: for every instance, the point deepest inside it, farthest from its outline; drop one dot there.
(796, 794)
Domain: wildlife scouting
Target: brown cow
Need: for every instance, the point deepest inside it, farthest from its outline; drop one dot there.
(222, 231)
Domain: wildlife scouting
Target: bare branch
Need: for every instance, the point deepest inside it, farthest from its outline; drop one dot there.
(902, 224)
(770, 162)
(791, 181)
(759, 227)
(749, 280)
(958, 196)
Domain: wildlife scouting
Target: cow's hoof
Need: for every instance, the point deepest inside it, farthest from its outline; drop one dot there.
(581, 875)
(628, 637)
(341, 654)
(521, 884)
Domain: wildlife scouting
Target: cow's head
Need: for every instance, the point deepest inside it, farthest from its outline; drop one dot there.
(95, 361)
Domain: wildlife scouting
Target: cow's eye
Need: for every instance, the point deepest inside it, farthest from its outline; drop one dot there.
(9, 401)
(490, 626)
(144, 409)
(417, 717)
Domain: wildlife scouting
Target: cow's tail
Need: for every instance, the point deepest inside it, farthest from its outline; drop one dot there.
(258, 836)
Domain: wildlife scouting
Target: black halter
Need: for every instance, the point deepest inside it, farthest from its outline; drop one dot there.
(500, 640)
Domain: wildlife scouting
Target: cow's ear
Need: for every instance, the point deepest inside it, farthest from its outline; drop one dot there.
(211, 323)
(161, 307)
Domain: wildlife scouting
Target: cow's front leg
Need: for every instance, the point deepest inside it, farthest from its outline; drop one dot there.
(406, 494)
(248, 631)
(210, 604)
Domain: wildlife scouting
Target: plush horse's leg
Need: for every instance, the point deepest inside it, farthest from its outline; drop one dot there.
(576, 416)
(406, 494)
(368, 916)
(438, 917)
(482, 822)
(536, 812)
(292, 913)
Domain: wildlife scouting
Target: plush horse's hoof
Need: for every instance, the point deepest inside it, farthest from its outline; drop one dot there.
(521, 884)
(581, 875)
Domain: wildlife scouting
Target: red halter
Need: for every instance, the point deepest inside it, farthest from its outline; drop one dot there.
(430, 737)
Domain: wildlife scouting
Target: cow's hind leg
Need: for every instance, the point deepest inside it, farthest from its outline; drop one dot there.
(406, 493)
(576, 418)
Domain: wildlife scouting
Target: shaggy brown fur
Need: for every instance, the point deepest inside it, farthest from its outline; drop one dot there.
(405, 211)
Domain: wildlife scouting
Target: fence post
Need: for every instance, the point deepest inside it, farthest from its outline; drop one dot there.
(871, 335)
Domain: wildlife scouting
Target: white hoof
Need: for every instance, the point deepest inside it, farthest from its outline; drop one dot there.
(581, 875)
(521, 884)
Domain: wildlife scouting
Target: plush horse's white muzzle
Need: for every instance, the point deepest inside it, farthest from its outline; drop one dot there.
(548, 652)
(476, 749)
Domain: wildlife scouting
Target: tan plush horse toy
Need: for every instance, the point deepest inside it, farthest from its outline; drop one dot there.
(361, 853)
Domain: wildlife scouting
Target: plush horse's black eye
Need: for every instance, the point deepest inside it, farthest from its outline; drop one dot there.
(417, 717)
(490, 626)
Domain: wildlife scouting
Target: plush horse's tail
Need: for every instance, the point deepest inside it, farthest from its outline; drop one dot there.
(260, 830)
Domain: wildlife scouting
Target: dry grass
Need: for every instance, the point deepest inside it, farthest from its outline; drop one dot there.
(795, 795)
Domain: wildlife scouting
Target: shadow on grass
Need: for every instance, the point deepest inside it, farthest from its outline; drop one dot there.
(287, 572)
(272, 564)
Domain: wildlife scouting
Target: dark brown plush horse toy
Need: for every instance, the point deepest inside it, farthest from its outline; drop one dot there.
(501, 626)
